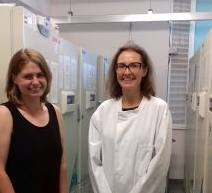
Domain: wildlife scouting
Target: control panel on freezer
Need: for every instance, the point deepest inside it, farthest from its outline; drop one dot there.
(68, 101)
(90, 99)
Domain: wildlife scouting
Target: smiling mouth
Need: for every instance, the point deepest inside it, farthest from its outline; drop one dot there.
(128, 79)
(36, 89)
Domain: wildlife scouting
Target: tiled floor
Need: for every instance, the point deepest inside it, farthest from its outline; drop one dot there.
(175, 186)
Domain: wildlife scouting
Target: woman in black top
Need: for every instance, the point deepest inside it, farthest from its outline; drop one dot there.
(31, 152)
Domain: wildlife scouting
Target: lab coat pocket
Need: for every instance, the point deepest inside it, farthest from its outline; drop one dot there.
(144, 156)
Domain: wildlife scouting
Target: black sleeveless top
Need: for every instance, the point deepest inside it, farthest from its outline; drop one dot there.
(34, 157)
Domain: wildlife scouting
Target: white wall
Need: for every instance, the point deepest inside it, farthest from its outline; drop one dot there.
(105, 7)
(38, 6)
(178, 155)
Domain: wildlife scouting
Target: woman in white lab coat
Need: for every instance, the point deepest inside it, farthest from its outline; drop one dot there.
(130, 134)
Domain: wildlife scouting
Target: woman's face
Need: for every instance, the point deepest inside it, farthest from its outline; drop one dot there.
(130, 71)
(31, 81)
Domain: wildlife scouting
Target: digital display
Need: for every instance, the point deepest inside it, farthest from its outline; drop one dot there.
(70, 99)
(92, 97)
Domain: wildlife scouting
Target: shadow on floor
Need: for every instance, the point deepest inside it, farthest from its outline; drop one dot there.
(175, 186)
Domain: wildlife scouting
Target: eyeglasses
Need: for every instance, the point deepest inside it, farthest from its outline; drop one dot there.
(134, 66)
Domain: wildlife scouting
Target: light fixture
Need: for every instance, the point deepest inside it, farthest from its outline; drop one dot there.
(134, 18)
(130, 41)
(70, 13)
(150, 10)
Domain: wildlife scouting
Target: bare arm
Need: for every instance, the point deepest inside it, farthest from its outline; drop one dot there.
(5, 133)
(63, 169)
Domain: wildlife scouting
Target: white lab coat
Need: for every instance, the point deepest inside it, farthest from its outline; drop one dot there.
(129, 151)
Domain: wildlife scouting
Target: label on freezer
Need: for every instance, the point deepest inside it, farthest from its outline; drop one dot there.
(28, 19)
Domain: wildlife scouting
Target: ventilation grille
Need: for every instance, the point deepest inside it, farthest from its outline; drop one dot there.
(178, 65)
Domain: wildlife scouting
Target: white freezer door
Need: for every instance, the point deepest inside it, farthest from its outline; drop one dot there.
(68, 83)
(5, 48)
(88, 70)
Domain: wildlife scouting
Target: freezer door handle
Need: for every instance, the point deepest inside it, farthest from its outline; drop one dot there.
(78, 113)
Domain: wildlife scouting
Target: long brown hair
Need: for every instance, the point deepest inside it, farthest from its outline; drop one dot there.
(147, 84)
(17, 62)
